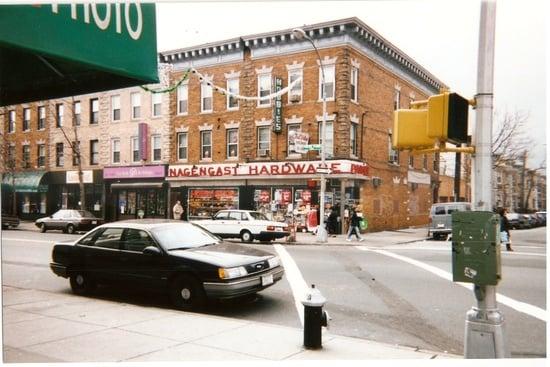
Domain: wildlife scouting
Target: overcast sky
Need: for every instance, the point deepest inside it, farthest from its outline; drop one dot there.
(442, 35)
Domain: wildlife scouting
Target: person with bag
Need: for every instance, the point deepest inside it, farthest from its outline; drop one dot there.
(505, 229)
(354, 223)
(178, 210)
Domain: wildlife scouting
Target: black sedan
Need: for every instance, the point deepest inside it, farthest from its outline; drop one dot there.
(9, 221)
(182, 258)
(69, 220)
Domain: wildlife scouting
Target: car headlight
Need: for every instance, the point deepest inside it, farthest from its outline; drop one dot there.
(273, 262)
(229, 273)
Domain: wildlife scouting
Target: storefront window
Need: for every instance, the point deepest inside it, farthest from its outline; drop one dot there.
(131, 203)
(26, 204)
(204, 203)
(122, 204)
(43, 203)
(262, 201)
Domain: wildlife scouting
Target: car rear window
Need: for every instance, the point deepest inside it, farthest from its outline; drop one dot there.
(84, 214)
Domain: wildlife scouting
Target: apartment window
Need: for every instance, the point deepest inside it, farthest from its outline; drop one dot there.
(11, 122)
(156, 104)
(393, 153)
(59, 157)
(295, 93)
(206, 97)
(94, 111)
(354, 79)
(411, 160)
(264, 89)
(26, 119)
(76, 152)
(264, 140)
(59, 112)
(115, 151)
(94, 152)
(136, 105)
(77, 112)
(232, 143)
(206, 144)
(436, 162)
(182, 146)
(329, 135)
(26, 156)
(41, 154)
(11, 156)
(328, 87)
(396, 99)
(182, 99)
(353, 139)
(155, 143)
(41, 118)
(233, 87)
(115, 108)
(291, 130)
(425, 162)
(135, 149)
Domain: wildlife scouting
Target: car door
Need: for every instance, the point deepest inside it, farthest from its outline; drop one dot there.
(137, 268)
(56, 220)
(234, 223)
(218, 224)
(102, 253)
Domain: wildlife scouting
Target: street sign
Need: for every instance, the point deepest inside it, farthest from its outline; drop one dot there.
(312, 147)
(323, 170)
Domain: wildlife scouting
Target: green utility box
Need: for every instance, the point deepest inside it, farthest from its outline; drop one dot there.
(476, 247)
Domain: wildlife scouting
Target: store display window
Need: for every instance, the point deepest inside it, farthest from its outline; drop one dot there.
(204, 203)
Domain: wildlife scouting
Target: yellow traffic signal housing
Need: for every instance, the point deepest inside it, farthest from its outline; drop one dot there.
(409, 130)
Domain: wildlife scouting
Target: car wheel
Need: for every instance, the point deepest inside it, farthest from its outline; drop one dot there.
(81, 283)
(187, 293)
(43, 227)
(246, 236)
(70, 229)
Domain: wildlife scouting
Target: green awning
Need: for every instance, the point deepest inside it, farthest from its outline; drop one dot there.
(25, 181)
(59, 50)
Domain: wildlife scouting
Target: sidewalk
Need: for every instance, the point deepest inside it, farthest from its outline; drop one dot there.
(60, 327)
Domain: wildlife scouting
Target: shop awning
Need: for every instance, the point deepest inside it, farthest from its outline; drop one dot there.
(25, 181)
(53, 51)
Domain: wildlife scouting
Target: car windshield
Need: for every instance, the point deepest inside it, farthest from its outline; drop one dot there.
(183, 236)
(258, 216)
(85, 214)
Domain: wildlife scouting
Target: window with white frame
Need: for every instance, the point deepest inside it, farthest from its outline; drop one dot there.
(206, 97)
(206, 144)
(94, 152)
(232, 143)
(156, 104)
(264, 140)
(77, 113)
(135, 149)
(94, 111)
(26, 119)
(393, 156)
(41, 118)
(329, 137)
(59, 112)
(329, 81)
(233, 87)
(396, 99)
(264, 89)
(59, 157)
(11, 121)
(136, 105)
(156, 148)
(115, 108)
(353, 139)
(292, 129)
(26, 156)
(115, 150)
(354, 84)
(182, 146)
(183, 95)
(41, 154)
(295, 93)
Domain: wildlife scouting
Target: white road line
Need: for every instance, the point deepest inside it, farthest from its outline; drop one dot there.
(523, 307)
(423, 248)
(294, 277)
(24, 240)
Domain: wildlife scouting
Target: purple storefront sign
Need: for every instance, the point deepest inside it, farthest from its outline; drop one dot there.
(133, 172)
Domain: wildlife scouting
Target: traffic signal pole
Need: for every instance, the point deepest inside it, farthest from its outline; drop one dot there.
(484, 331)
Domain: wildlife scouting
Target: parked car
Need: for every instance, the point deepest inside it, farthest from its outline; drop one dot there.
(542, 216)
(530, 221)
(244, 224)
(9, 221)
(69, 221)
(515, 220)
(441, 220)
(182, 258)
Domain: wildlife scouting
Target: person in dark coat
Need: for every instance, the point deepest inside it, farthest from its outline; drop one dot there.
(332, 221)
(354, 224)
(505, 229)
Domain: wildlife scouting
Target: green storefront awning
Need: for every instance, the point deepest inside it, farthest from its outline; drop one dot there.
(60, 50)
(25, 181)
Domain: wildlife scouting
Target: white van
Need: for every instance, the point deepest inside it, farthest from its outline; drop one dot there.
(441, 223)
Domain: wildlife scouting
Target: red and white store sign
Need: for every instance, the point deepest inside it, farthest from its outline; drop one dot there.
(267, 169)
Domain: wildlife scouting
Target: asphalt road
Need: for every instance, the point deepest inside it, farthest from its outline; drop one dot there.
(393, 294)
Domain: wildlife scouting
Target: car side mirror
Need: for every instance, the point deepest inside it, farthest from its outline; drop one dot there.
(151, 250)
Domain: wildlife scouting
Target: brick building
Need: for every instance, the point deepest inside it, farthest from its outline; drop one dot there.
(226, 153)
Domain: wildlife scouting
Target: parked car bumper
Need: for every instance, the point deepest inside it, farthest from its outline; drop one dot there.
(269, 235)
(59, 270)
(10, 223)
(241, 287)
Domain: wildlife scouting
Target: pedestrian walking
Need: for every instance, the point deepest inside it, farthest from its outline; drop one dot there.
(354, 224)
(332, 222)
(505, 229)
(177, 210)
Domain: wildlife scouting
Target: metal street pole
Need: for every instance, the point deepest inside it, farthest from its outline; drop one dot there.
(321, 230)
(484, 331)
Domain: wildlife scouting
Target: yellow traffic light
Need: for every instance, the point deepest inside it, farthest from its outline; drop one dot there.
(409, 130)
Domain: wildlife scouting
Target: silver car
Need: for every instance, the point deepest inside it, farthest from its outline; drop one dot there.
(441, 224)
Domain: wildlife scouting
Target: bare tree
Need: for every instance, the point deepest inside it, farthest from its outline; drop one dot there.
(510, 138)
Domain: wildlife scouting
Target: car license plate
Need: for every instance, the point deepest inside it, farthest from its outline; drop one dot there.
(279, 229)
(94, 221)
(440, 225)
(267, 279)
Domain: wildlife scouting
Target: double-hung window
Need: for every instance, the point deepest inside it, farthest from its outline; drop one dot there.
(354, 80)
(232, 143)
(206, 97)
(59, 157)
(295, 93)
(115, 108)
(94, 111)
(135, 149)
(291, 131)
(264, 89)
(411, 160)
(327, 88)
(41, 154)
(11, 122)
(182, 146)
(264, 140)
(396, 99)
(11, 156)
(182, 93)
(41, 118)
(233, 87)
(26, 156)
(329, 138)
(59, 111)
(77, 113)
(115, 150)
(393, 153)
(76, 152)
(206, 145)
(26, 119)
(94, 152)
(156, 148)
(353, 139)
(156, 104)
(136, 105)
